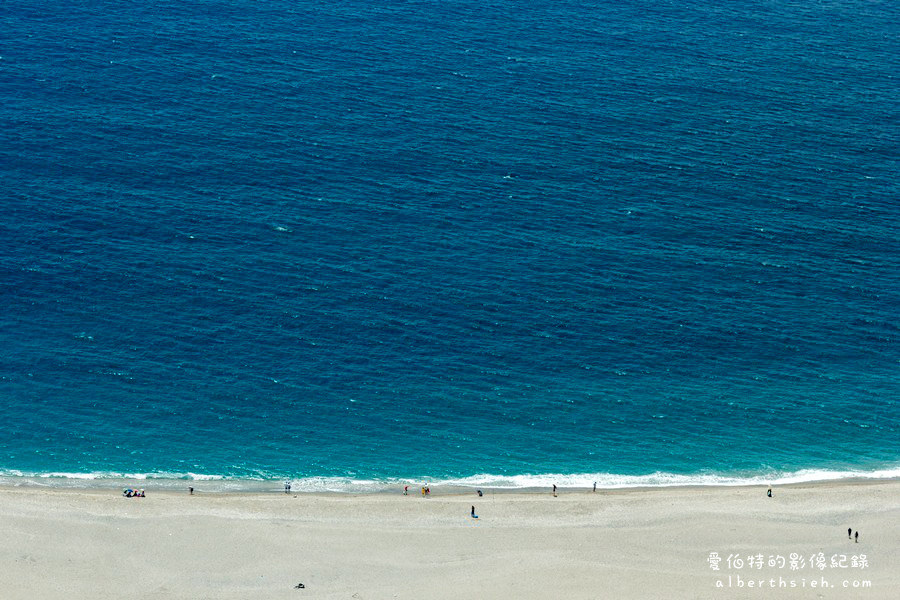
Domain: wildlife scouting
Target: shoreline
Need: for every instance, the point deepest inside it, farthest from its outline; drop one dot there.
(506, 483)
(455, 493)
(254, 487)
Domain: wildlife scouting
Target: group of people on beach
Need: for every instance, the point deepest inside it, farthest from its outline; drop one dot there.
(130, 493)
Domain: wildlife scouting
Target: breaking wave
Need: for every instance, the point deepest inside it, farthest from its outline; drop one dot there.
(525, 482)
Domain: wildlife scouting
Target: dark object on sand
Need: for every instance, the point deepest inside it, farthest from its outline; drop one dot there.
(299, 586)
(479, 493)
(769, 493)
(856, 537)
(849, 532)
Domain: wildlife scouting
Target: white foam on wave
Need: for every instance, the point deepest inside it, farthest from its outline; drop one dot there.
(661, 479)
(341, 484)
(101, 475)
(583, 480)
(202, 477)
(165, 480)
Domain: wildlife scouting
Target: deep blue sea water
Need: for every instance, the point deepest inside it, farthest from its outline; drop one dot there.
(367, 241)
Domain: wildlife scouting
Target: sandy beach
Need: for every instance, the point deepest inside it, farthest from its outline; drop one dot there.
(654, 543)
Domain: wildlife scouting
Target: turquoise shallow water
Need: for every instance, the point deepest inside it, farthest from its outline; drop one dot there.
(353, 245)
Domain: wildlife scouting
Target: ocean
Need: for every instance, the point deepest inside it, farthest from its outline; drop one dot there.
(355, 244)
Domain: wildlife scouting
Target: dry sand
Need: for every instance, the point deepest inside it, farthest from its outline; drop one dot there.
(96, 544)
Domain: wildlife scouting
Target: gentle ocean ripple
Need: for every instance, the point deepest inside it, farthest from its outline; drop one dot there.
(374, 242)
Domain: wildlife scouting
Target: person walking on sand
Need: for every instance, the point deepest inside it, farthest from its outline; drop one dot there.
(473, 511)
(554, 490)
(595, 486)
(849, 532)
(856, 537)
(406, 490)
(191, 490)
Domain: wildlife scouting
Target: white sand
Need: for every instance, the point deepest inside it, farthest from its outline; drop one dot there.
(627, 544)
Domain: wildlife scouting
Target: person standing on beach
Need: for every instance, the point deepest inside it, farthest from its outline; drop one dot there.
(405, 490)
(554, 490)
(473, 511)
(849, 532)
(287, 487)
(856, 537)
(191, 490)
(595, 486)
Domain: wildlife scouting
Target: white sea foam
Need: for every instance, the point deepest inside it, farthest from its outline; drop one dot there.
(101, 478)
(660, 479)
(273, 483)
